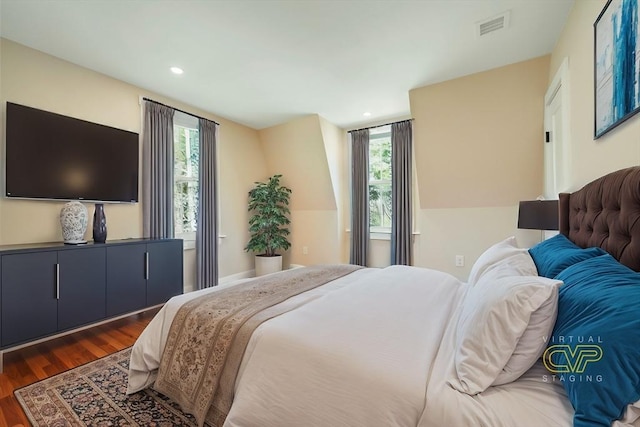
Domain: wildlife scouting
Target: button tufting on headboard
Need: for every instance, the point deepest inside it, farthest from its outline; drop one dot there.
(606, 213)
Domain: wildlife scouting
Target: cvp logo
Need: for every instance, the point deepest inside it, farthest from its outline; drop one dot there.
(577, 357)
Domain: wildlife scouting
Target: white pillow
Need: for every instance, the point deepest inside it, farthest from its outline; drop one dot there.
(504, 252)
(502, 328)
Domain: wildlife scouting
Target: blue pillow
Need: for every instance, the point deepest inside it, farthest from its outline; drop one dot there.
(553, 255)
(598, 306)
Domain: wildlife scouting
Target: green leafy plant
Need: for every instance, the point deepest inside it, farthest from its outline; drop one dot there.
(269, 202)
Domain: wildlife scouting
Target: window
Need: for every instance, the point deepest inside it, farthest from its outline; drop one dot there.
(185, 190)
(380, 207)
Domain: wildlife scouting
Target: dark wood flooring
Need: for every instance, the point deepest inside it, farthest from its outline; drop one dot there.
(40, 361)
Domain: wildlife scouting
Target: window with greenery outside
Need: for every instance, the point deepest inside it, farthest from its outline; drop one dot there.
(380, 206)
(185, 191)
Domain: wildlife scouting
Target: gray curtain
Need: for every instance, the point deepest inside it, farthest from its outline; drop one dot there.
(401, 136)
(157, 159)
(207, 230)
(359, 197)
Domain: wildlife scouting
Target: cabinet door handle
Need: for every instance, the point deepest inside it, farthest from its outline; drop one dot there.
(146, 265)
(57, 281)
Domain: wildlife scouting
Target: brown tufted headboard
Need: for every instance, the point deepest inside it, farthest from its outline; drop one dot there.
(606, 213)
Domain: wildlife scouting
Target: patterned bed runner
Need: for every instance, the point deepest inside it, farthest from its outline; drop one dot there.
(208, 337)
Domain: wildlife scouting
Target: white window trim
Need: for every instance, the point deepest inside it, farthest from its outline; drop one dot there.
(380, 181)
(380, 233)
(185, 179)
(381, 134)
(188, 240)
(190, 122)
(185, 120)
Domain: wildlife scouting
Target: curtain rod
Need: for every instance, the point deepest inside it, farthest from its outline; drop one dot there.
(379, 126)
(182, 111)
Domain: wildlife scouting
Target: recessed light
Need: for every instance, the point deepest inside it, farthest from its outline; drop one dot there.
(177, 70)
(366, 114)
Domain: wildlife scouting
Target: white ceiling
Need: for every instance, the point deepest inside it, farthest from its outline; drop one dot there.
(264, 62)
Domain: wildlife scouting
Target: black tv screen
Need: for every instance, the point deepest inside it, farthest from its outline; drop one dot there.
(50, 156)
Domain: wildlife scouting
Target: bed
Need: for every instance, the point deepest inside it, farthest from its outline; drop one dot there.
(546, 336)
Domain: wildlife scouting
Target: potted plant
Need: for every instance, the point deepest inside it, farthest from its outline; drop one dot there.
(268, 226)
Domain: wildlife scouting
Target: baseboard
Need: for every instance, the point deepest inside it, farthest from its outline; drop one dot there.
(237, 276)
(246, 274)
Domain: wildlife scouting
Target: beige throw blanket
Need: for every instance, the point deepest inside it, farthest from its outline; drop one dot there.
(208, 337)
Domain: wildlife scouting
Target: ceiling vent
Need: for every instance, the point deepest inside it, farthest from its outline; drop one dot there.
(491, 25)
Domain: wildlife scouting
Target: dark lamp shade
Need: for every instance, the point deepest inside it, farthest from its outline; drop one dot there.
(538, 215)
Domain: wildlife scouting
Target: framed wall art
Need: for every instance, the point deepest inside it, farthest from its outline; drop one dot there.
(616, 65)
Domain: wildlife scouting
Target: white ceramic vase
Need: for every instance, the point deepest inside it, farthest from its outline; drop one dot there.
(73, 219)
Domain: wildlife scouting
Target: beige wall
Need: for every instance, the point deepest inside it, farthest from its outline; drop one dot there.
(31, 78)
(478, 139)
(337, 149)
(297, 150)
(446, 233)
(620, 147)
(478, 151)
(35, 79)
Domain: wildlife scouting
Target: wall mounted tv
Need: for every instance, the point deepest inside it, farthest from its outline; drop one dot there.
(50, 156)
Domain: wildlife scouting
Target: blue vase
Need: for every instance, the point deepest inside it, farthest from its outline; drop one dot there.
(99, 224)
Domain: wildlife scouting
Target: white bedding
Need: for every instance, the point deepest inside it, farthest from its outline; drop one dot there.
(359, 356)
(374, 348)
(148, 348)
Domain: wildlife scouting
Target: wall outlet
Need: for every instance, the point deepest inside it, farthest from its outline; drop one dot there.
(459, 260)
(305, 250)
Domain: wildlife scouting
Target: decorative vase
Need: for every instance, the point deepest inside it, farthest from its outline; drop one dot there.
(73, 220)
(99, 224)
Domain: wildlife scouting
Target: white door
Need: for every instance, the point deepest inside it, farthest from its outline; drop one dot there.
(556, 138)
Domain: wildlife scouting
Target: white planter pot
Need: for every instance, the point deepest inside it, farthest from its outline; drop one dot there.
(268, 264)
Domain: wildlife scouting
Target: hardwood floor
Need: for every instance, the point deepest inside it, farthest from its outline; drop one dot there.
(34, 363)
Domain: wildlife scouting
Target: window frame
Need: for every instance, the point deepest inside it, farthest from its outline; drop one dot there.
(189, 122)
(379, 133)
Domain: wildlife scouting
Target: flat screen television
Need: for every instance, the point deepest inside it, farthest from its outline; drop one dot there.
(51, 156)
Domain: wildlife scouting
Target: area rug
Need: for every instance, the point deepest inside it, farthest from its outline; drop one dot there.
(94, 395)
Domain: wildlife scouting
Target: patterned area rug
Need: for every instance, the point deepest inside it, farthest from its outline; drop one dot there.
(94, 395)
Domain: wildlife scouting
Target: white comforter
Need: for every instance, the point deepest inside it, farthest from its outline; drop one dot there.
(374, 348)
